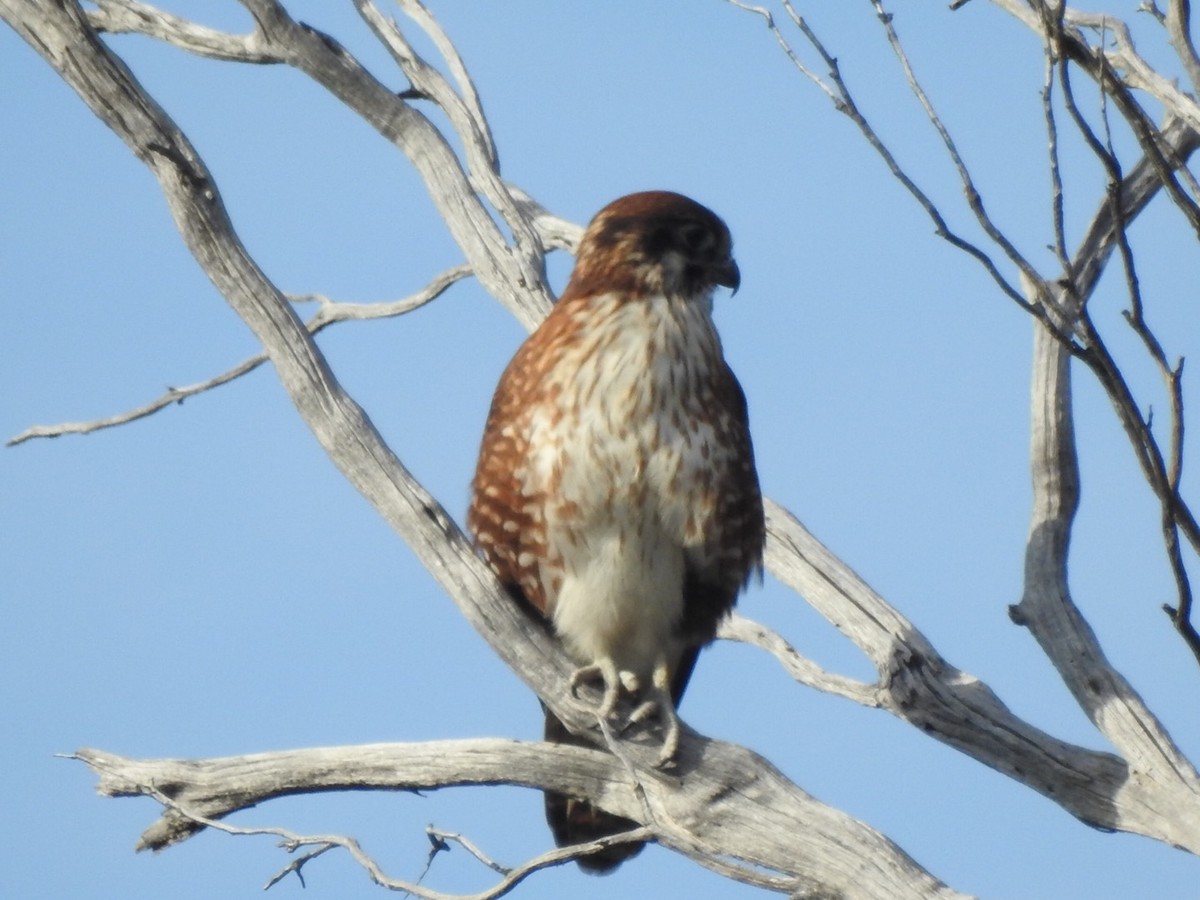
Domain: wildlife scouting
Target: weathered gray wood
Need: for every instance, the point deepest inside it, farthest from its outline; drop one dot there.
(719, 790)
(723, 801)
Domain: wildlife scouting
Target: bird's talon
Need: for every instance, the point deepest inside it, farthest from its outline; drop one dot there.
(604, 671)
(643, 712)
(668, 754)
(582, 674)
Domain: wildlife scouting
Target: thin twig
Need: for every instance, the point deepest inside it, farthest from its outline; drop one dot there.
(466, 116)
(458, 69)
(1105, 68)
(1163, 476)
(296, 866)
(132, 17)
(1056, 184)
(843, 101)
(832, 93)
(438, 837)
(291, 842)
(974, 198)
(329, 313)
(805, 671)
(1179, 32)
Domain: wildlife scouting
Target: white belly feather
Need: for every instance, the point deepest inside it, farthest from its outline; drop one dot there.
(619, 524)
(623, 602)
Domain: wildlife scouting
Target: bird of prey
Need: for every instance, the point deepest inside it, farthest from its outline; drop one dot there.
(616, 495)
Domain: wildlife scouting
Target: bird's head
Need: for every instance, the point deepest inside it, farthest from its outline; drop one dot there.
(656, 242)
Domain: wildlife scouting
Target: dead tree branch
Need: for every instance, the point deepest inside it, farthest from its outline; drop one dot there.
(780, 827)
(946, 696)
(329, 312)
(726, 807)
(197, 794)
(759, 816)
(1047, 610)
(1166, 151)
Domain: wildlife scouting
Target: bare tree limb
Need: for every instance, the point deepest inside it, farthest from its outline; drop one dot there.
(467, 95)
(466, 116)
(1179, 30)
(724, 802)
(1116, 71)
(133, 17)
(1164, 476)
(722, 798)
(174, 784)
(757, 801)
(970, 191)
(1166, 152)
(738, 628)
(1160, 770)
(838, 91)
(515, 277)
(328, 313)
(915, 683)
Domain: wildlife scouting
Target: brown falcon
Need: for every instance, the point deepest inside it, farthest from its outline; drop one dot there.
(616, 494)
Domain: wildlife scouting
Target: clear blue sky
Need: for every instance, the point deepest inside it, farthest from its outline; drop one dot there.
(205, 583)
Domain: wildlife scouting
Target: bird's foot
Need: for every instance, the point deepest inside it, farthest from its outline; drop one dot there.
(663, 709)
(661, 704)
(656, 701)
(612, 682)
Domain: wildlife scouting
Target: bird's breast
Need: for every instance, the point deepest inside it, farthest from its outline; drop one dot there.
(624, 458)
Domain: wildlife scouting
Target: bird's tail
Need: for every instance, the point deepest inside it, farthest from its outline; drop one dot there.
(576, 821)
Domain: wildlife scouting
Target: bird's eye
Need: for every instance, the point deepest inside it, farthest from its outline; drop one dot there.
(695, 237)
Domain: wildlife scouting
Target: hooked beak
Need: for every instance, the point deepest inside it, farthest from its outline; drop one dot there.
(727, 274)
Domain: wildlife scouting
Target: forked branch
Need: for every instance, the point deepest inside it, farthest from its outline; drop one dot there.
(329, 312)
(725, 807)
(723, 800)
